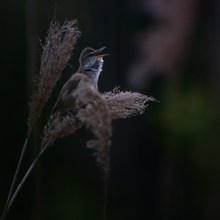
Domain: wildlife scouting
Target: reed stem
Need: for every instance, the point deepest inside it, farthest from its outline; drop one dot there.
(25, 177)
(15, 177)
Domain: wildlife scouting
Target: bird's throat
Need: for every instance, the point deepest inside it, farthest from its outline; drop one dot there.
(93, 71)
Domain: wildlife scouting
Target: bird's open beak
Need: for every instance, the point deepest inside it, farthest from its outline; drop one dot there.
(98, 53)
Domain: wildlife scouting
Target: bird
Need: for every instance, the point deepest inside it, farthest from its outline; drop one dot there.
(90, 66)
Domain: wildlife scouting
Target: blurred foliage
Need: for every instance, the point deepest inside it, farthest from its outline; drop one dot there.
(188, 112)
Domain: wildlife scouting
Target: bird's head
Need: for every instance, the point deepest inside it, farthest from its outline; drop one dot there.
(91, 61)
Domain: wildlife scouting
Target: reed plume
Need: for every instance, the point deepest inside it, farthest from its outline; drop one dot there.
(97, 117)
(58, 126)
(126, 104)
(56, 52)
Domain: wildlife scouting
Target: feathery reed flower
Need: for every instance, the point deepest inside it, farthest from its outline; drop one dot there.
(58, 127)
(126, 104)
(97, 117)
(56, 52)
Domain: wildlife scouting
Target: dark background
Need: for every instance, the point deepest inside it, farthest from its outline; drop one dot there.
(164, 164)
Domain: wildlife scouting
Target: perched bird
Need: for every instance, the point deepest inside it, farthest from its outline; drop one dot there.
(90, 67)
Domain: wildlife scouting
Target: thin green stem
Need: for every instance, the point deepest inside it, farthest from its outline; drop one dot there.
(12, 199)
(15, 178)
(25, 177)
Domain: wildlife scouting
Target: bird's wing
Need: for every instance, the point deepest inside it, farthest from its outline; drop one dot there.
(65, 97)
(69, 86)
